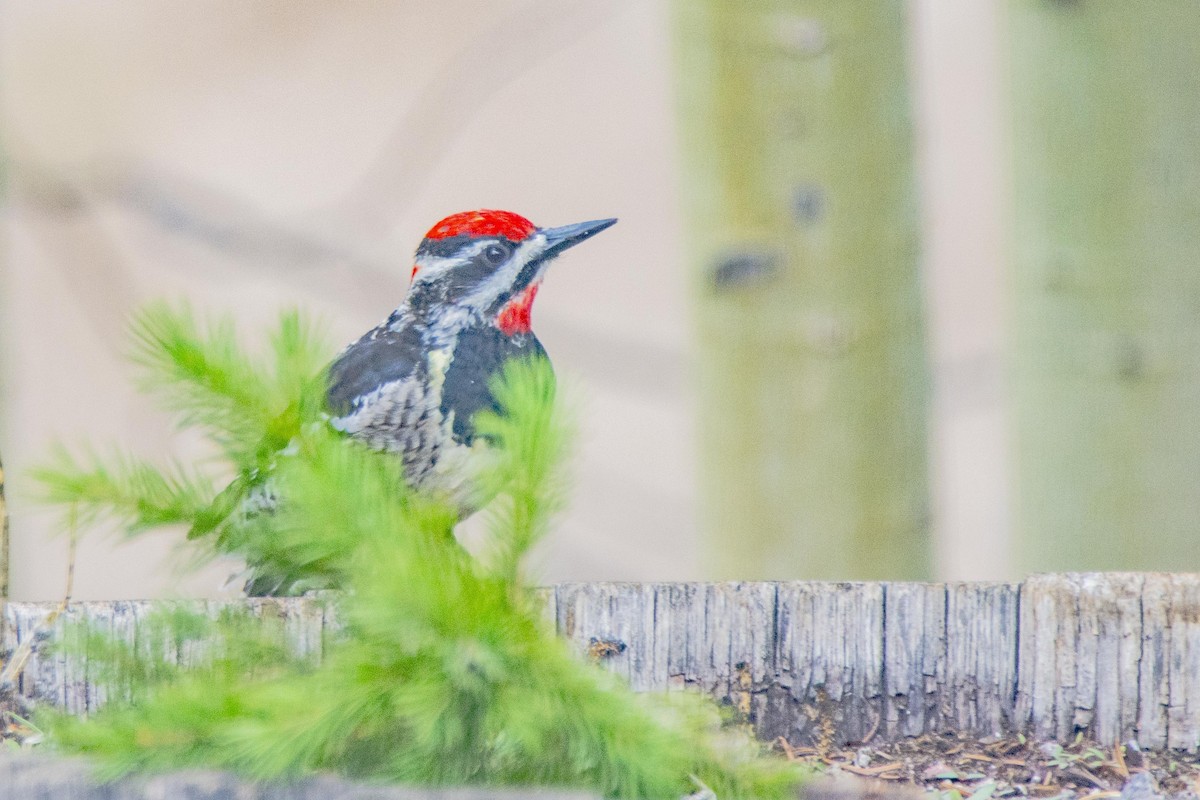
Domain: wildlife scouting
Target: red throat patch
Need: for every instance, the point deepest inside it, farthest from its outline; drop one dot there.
(517, 316)
(484, 222)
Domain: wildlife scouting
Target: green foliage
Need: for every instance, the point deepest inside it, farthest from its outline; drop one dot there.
(532, 441)
(138, 494)
(251, 408)
(441, 671)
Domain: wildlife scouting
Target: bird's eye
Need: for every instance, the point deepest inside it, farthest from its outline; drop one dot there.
(495, 254)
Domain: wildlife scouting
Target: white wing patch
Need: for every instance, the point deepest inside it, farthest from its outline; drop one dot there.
(405, 417)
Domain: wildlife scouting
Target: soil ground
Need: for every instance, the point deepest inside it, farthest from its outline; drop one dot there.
(958, 767)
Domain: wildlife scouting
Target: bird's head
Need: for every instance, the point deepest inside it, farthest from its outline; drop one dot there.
(487, 265)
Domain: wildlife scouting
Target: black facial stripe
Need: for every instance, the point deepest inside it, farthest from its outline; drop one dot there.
(523, 279)
(465, 278)
(443, 248)
(460, 280)
(452, 245)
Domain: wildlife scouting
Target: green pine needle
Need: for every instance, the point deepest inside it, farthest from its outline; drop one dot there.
(200, 372)
(441, 671)
(137, 494)
(533, 440)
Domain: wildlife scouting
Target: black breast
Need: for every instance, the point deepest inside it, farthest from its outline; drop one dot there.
(479, 354)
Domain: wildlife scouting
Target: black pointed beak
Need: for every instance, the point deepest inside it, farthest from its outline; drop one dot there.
(559, 239)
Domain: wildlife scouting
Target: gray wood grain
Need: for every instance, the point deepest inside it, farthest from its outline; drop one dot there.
(28, 776)
(33, 776)
(1115, 656)
(981, 656)
(914, 649)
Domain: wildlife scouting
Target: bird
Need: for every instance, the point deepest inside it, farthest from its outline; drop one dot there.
(413, 384)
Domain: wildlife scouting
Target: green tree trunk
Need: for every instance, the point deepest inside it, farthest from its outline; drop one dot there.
(803, 224)
(1106, 284)
(4, 532)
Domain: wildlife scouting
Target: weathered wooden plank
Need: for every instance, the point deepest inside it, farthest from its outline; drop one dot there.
(1113, 656)
(981, 656)
(1044, 638)
(52, 677)
(1082, 641)
(1154, 664)
(614, 624)
(677, 638)
(829, 657)
(1183, 697)
(716, 637)
(914, 651)
(741, 627)
(1112, 606)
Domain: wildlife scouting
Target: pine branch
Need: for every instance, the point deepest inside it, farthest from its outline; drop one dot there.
(301, 354)
(202, 373)
(134, 492)
(441, 674)
(531, 437)
(442, 671)
(250, 411)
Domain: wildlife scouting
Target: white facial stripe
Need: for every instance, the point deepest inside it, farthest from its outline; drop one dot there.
(432, 268)
(504, 277)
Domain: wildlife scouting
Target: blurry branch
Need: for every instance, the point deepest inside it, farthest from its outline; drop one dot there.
(94, 269)
(349, 233)
(188, 209)
(368, 211)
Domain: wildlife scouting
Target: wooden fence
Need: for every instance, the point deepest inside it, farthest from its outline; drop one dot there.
(1115, 656)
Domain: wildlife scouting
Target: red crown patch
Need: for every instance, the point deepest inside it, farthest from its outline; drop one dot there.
(483, 223)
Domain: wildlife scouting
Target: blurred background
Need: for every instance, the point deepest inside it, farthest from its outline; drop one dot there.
(900, 289)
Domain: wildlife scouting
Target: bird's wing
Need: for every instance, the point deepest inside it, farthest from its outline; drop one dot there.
(383, 391)
(380, 358)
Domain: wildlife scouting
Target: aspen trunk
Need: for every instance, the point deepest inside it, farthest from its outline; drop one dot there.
(812, 378)
(4, 533)
(1106, 284)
